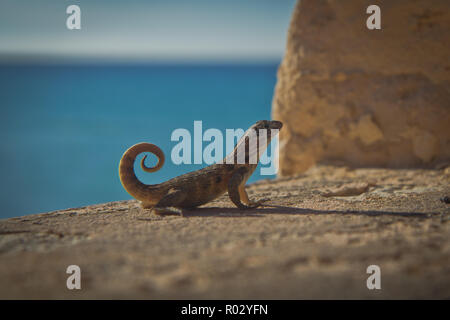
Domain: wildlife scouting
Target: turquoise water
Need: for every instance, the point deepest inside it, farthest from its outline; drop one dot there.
(64, 128)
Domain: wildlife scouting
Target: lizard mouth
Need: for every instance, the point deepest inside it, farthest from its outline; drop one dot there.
(275, 124)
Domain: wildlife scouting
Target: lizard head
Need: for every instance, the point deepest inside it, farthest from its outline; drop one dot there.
(254, 142)
(268, 124)
(265, 129)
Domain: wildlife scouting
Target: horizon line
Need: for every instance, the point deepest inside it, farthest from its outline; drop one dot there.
(60, 59)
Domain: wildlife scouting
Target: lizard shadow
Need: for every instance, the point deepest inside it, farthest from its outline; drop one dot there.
(276, 209)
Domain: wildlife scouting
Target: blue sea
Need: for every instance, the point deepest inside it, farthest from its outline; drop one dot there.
(64, 128)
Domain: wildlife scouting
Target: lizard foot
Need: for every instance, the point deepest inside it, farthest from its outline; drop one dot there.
(253, 204)
(256, 204)
(164, 211)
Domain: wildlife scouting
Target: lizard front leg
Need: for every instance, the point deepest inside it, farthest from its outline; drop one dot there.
(237, 193)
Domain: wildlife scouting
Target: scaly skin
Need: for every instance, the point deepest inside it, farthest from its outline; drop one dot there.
(194, 188)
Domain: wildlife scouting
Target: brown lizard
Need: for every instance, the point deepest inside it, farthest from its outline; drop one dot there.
(198, 187)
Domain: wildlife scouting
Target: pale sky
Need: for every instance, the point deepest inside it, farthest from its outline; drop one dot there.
(146, 29)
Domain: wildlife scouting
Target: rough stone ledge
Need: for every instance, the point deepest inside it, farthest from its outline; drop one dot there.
(308, 243)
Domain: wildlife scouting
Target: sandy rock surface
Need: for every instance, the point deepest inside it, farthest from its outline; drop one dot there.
(365, 97)
(304, 245)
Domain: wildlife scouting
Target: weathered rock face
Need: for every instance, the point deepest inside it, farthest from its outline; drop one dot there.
(364, 97)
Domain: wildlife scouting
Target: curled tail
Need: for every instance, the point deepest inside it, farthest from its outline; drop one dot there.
(128, 178)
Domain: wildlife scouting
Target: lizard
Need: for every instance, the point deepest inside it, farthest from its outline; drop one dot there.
(199, 187)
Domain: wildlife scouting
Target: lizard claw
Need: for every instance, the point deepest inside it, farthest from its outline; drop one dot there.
(166, 211)
(256, 204)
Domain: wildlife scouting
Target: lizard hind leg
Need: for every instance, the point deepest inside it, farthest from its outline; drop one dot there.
(168, 205)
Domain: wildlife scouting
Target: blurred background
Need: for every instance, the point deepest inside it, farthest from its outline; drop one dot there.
(72, 101)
